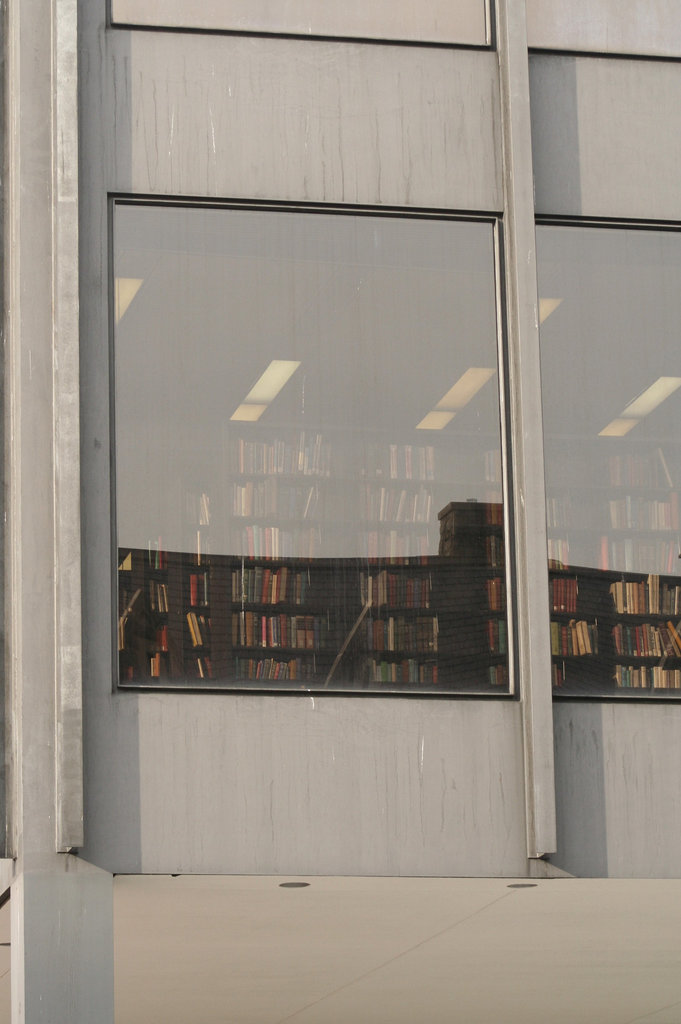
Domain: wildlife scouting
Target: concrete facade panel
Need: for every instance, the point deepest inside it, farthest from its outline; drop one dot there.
(606, 137)
(304, 121)
(465, 22)
(650, 27)
(302, 785)
(617, 771)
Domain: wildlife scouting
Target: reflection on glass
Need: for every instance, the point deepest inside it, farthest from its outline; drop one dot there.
(308, 448)
(611, 373)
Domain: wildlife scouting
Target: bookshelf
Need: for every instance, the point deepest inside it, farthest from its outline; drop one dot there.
(321, 562)
(615, 633)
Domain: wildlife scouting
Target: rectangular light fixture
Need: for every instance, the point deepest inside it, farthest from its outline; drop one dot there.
(459, 395)
(642, 406)
(618, 427)
(248, 413)
(547, 307)
(466, 387)
(435, 420)
(652, 397)
(126, 288)
(265, 389)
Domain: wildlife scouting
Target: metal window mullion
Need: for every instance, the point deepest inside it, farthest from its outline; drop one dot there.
(525, 427)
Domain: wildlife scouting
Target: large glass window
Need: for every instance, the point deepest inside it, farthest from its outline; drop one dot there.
(308, 451)
(466, 22)
(611, 369)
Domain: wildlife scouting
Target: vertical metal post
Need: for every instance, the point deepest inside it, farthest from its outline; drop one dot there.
(520, 270)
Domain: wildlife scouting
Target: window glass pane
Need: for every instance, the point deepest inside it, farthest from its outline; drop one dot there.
(465, 22)
(308, 451)
(611, 369)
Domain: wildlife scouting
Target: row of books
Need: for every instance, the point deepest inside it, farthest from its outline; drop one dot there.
(646, 677)
(496, 593)
(272, 542)
(657, 556)
(390, 505)
(269, 497)
(273, 668)
(397, 633)
(307, 454)
(496, 636)
(394, 544)
(157, 557)
(494, 551)
(252, 629)
(632, 513)
(407, 671)
(497, 675)
(401, 461)
(574, 638)
(558, 552)
(397, 591)
(197, 508)
(647, 640)
(261, 585)
(198, 589)
(199, 629)
(639, 471)
(646, 597)
(563, 592)
(156, 665)
(559, 513)
(158, 596)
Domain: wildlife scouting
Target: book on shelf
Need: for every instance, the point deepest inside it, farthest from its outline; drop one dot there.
(636, 513)
(397, 633)
(408, 670)
(563, 593)
(386, 504)
(395, 589)
(637, 554)
(496, 593)
(255, 629)
(574, 638)
(496, 636)
(400, 461)
(198, 628)
(634, 470)
(270, 497)
(640, 677)
(274, 668)
(646, 640)
(308, 455)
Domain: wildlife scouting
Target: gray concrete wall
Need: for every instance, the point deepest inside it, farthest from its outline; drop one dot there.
(650, 27)
(302, 120)
(228, 783)
(466, 21)
(606, 137)
(303, 785)
(617, 772)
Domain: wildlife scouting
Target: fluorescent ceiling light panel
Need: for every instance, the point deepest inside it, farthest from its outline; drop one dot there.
(265, 390)
(547, 307)
(466, 387)
(248, 413)
(642, 406)
(618, 427)
(126, 288)
(652, 397)
(268, 386)
(435, 420)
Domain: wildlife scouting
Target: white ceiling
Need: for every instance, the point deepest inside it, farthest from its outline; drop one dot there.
(243, 950)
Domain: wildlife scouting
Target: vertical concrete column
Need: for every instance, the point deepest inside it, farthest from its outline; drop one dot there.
(62, 960)
(520, 280)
